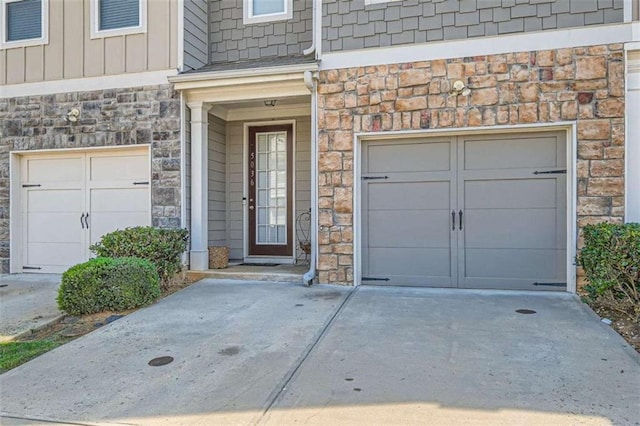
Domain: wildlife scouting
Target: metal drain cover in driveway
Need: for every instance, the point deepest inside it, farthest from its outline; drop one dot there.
(159, 362)
(525, 311)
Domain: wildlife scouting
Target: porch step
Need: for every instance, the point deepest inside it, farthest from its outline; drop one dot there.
(281, 273)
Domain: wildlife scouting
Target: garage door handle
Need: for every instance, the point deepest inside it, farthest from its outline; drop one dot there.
(81, 220)
(453, 220)
(86, 220)
(460, 213)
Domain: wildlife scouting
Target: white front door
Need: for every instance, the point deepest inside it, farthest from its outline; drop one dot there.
(70, 200)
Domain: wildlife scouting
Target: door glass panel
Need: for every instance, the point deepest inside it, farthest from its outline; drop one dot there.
(271, 220)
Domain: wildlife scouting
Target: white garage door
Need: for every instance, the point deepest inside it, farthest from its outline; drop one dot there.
(472, 212)
(70, 200)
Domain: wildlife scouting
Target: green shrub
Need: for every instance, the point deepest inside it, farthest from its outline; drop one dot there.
(611, 261)
(106, 284)
(162, 247)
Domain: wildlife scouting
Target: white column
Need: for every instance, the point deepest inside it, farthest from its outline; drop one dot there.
(199, 254)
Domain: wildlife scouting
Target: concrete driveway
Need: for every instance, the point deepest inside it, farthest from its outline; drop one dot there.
(27, 302)
(266, 353)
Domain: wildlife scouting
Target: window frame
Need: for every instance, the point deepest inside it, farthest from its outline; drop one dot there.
(44, 30)
(249, 18)
(96, 32)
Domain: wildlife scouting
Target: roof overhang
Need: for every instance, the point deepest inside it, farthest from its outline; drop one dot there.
(244, 84)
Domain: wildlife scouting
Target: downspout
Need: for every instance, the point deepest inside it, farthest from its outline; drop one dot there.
(309, 81)
(314, 25)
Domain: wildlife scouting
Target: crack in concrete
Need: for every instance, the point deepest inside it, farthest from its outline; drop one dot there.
(292, 372)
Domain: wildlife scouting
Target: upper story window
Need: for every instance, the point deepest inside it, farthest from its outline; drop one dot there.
(24, 23)
(259, 11)
(118, 17)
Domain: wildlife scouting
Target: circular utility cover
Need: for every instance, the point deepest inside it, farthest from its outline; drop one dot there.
(159, 362)
(525, 311)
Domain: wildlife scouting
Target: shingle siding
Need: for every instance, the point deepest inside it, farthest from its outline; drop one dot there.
(231, 40)
(196, 29)
(349, 24)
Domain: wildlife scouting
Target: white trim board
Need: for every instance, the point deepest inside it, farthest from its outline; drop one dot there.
(524, 42)
(571, 146)
(148, 78)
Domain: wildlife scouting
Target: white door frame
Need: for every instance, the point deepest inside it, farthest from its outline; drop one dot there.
(571, 146)
(15, 190)
(245, 195)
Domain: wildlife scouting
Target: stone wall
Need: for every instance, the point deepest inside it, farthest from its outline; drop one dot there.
(583, 85)
(141, 115)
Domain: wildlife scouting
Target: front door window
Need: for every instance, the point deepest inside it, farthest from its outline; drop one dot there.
(270, 195)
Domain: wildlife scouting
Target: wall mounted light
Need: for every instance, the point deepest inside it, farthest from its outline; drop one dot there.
(270, 103)
(459, 88)
(73, 115)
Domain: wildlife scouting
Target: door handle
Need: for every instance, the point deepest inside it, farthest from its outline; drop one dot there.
(453, 220)
(86, 220)
(460, 213)
(250, 207)
(81, 220)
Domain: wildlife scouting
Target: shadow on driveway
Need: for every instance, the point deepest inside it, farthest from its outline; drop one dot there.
(249, 353)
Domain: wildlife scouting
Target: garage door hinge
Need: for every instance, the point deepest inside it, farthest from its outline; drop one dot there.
(374, 177)
(31, 267)
(551, 172)
(374, 279)
(551, 284)
(31, 185)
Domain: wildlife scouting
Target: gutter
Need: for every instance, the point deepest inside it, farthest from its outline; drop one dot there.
(246, 72)
(309, 81)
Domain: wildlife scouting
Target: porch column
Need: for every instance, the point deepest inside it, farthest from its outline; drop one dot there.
(199, 254)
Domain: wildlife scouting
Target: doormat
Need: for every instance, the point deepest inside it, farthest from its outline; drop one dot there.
(259, 264)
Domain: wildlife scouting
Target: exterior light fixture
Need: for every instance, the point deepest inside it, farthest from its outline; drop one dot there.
(73, 115)
(459, 88)
(270, 103)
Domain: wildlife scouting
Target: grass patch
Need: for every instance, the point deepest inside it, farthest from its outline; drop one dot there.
(12, 354)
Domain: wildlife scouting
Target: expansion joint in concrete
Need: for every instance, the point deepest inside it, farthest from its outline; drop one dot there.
(296, 367)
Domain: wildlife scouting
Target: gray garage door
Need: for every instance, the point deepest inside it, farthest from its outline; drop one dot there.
(468, 211)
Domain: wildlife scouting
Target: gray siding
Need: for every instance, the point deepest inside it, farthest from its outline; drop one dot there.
(196, 29)
(235, 184)
(235, 192)
(349, 24)
(233, 41)
(217, 182)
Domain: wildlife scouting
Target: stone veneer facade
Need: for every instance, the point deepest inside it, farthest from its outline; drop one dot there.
(140, 115)
(584, 85)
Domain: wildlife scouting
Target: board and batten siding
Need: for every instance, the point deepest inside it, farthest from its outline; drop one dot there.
(196, 32)
(71, 53)
(217, 182)
(235, 183)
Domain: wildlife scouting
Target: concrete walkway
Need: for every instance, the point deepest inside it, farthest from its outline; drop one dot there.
(27, 302)
(268, 353)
